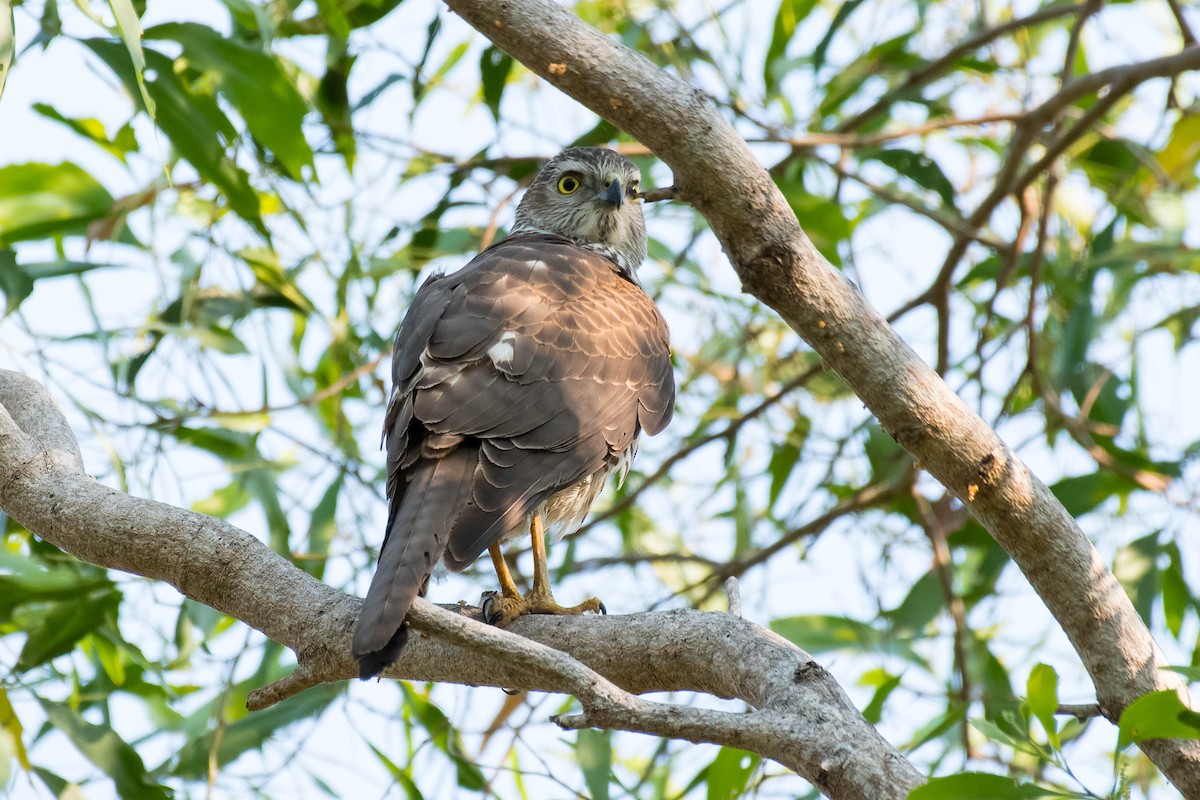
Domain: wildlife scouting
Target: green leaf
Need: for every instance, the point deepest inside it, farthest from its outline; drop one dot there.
(7, 42)
(402, 776)
(11, 726)
(824, 222)
(255, 84)
(446, 738)
(980, 786)
(1159, 715)
(41, 200)
(1083, 493)
(825, 633)
(1180, 154)
(57, 630)
(1042, 692)
(131, 34)
(918, 167)
(1017, 741)
(194, 123)
(118, 146)
(331, 13)
(17, 280)
(224, 501)
(849, 80)
(494, 68)
(593, 751)
(1176, 597)
(15, 284)
(791, 13)
(251, 732)
(843, 13)
(1191, 673)
(101, 745)
(924, 602)
(885, 683)
(786, 455)
(270, 273)
(322, 527)
(1136, 567)
(729, 773)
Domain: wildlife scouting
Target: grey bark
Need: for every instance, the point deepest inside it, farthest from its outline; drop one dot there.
(716, 172)
(800, 716)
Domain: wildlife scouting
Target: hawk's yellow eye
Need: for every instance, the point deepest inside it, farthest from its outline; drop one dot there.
(568, 184)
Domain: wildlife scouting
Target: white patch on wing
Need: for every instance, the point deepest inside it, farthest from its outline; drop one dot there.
(501, 353)
(538, 265)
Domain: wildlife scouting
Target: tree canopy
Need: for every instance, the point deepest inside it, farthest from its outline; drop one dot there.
(213, 216)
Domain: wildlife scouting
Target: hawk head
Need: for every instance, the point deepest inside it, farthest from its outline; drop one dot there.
(590, 196)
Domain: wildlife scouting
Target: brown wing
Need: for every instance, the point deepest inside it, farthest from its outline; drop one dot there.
(550, 363)
(537, 361)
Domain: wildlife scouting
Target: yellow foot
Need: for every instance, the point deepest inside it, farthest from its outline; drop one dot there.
(500, 609)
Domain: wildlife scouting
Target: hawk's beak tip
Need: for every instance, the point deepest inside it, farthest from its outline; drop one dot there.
(613, 194)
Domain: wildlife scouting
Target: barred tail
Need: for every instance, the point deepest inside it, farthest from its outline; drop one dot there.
(416, 536)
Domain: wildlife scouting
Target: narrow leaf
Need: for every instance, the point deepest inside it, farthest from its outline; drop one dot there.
(7, 42)
(980, 786)
(593, 750)
(12, 726)
(131, 33)
(102, 746)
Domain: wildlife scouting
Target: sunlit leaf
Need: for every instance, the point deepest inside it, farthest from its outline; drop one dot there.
(729, 773)
(12, 727)
(193, 122)
(790, 14)
(1042, 693)
(255, 84)
(1158, 715)
(7, 42)
(39, 200)
(130, 28)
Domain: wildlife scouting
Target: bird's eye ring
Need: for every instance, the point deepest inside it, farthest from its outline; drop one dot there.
(568, 184)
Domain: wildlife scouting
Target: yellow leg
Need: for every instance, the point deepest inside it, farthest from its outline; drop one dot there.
(541, 572)
(501, 608)
(508, 587)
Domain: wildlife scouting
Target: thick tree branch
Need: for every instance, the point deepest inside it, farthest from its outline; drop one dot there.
(800, 717)
(777, 263)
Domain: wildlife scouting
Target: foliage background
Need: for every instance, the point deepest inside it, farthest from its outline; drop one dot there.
(211, 291)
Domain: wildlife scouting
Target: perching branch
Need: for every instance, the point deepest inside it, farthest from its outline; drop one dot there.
(777, 263)
(800, 717)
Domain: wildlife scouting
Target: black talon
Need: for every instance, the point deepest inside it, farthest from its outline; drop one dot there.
(603, 610)
(488, 601)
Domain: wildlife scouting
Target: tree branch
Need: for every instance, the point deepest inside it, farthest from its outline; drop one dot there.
(801, 717)
(778, 264)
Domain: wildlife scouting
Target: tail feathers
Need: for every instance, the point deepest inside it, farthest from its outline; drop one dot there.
(416, 538)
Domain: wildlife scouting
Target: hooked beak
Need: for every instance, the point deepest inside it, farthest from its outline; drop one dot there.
(612, 195)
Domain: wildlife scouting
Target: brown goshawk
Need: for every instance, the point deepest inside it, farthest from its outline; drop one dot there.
(519, 383)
